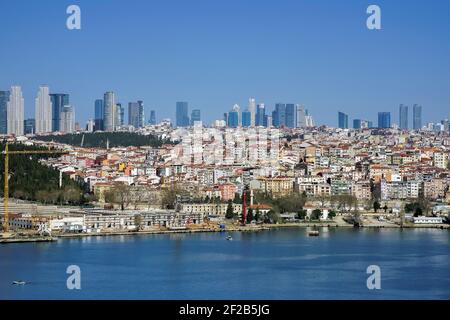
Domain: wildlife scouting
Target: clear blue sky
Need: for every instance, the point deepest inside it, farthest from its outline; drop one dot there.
(214, 53)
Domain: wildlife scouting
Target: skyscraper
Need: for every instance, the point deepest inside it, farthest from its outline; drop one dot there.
(252, 110)
(15, 112)
(182, 117)
(342, 120)
(136, 114)
(59, 100)
(43, 111)
(233, 119)
(417, 117)
(290, 115)
(384, 120)
(403, 117)
(67, 122)
(120, 115)
(4, 98)
(260, 115)
(109, 108)
(29, 126)
(301, 116)
(236, 108)
(357, 123)
(246, 119)
(152, 120)
(279, 115)
(99, 114)
(195, 116)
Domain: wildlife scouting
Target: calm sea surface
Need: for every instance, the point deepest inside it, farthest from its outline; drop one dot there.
(276, 264)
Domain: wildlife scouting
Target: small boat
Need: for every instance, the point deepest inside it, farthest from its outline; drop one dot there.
(229, 238)
(19, 282)
(313, 233)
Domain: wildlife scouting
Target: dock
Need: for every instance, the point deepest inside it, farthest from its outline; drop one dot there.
(24, 240)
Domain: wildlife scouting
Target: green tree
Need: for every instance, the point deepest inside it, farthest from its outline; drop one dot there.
(301, 214)
(272, 217)
(230, 212)
(376, 206)
(331, 214)
(316, 214)
(250, 216)
(257, 215)
(418, 212)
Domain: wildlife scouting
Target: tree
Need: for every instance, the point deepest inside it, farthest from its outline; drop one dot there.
(120, 195)
(272, 217)
(169, 198)
(316, 214)
(257, 215)
(376, 206)
(425, 204)
(230, 212)
(250, 216)
(301, 214)
(418, 212)
(331, 214)
(138, 222)
(71, 195)
(323, 200)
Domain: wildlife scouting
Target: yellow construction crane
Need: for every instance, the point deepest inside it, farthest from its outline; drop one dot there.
(6, 152)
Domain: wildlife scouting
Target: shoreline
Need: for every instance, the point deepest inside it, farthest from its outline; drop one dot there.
(264, 227)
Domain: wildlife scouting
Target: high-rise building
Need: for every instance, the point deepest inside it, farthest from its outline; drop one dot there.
(90, 125)
(252, 110)
(290, 115)
(233, 119)
(237, 108)
(403, 117)
(29, 126)
(152, 120)
(15, 112)
(136, 114)
(417, 117)
(384, 120)
(342, 120)
(357, 123)
(99, 114)
(279, 115)
(260, 115)
(4, 98)
(43, 111)
(195, 116)
(246, 119)
(59, 100)
(67, 122)
(182, 117)
(300, 116)
(120, 115)
(109, 109)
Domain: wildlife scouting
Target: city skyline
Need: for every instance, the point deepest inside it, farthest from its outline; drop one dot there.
(50, 106)
(221, 65)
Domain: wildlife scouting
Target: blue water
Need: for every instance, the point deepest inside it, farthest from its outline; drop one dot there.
(276, 264)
